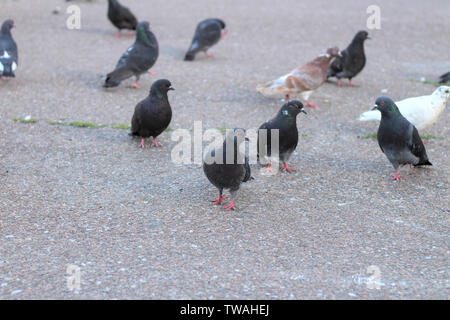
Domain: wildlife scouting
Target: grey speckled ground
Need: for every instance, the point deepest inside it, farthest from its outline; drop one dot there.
(139, 226)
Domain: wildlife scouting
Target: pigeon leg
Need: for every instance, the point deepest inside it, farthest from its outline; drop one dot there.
(130, 34)
(309, 104)
(397, 177)
(231, 205)
(135, 85)
(142, 145)
(152, 73)
(224, 32)
(220, 199)
(118, 34)
(286, 168)
(268, 169)
(339, 83)
(424, 141)
(155, 143)
(350, 82)
(208, 55)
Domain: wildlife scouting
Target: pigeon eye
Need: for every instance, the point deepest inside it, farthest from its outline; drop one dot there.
(382, 102)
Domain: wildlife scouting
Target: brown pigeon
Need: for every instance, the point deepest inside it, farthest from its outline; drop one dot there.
(302, 80)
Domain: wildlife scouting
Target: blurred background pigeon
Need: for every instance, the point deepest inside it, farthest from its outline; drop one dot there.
(153, 114)
(138, 58)
(9, 57)
(421, 111)
(398, 138)
(228, 171)
(207, 34)
(445, 78)
(302, 80)
(352, 61)
(286, 122)
(121, 17)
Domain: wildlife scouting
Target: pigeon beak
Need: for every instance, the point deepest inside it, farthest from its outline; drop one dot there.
(170, 88)
(368, 38)
(303, 111)
(375, 108)
(340, 54)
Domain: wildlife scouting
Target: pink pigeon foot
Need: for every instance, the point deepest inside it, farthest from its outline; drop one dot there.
(152, 73)
(118, 35)
(230, 206)
(350, 82)
(287, 169)
(208, 55)
(142, 145)
(218, 200)
(135, 85)
(223, 34)
(268, 169)
(339, 83)
(156, 144)
(309, 104)
(397, 177)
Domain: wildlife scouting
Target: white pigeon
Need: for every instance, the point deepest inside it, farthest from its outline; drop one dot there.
(422, 111)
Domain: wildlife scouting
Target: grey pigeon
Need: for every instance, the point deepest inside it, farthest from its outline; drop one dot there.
(286, 122)
(9, 57)
(207, 34)
(138, 58)
(153, 114)
(445, 78)
(398, 138)
(121, 17)
(230, 167)
(352, 61)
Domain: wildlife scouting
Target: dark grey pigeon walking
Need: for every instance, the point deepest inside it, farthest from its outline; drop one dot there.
(153, 114)
(138, 59)
(230, 167)
(9, 57)
(352, 61)
(286, 122)
(207, 34)
(121, 17)
(398, 138)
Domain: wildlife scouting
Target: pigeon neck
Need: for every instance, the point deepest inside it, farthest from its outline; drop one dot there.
(287, 116)
(357, 43)
(6, 30)
(113, 2)
(143, 36)
(158, 94)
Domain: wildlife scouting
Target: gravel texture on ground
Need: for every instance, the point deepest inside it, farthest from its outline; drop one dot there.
(141, 227)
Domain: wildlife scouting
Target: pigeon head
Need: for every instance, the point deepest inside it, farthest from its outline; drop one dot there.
(334, 52)
(161, 86)
(361, 36)
(7, 26)
(387, 107)
(222, 24)
(443, 92)
(292, 108)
